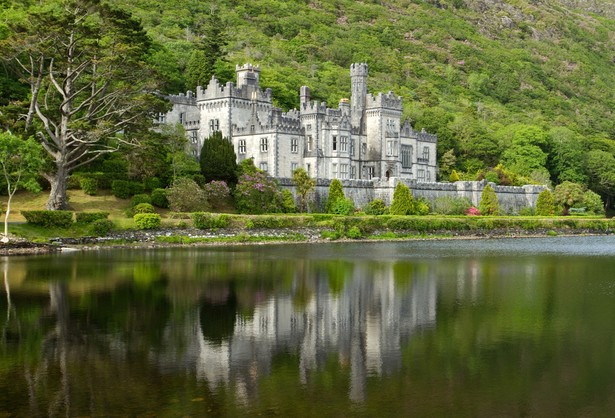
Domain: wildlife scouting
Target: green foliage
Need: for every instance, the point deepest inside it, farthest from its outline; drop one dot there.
(567, 195)
(448, 205)
(147, 220)
(218, 159)
(545, 204)
(159, 198)
(143, 208)
(421, 206)
(454, 176)
(256, 193)
(205, 220)
(186, 196)
(218, 193)
(88, 185)
(489, 204)
(403, 202)
(593, 203)
(100, 227)
(375, 207)
(140, 198)
(304, 185)
(89, 217)
(343, 206)
(354, 233)
(123, 189)
(288, 202)
(49, 218)
(336, 192)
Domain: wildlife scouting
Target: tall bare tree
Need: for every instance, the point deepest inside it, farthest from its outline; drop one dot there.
(91, 86)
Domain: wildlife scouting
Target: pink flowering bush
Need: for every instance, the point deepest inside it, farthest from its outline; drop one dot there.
(256, 193)
(217, 192)
(472, 211)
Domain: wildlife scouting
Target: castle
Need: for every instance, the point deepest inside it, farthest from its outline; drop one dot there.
(363, 139)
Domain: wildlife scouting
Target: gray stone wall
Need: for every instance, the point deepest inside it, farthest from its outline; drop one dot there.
(511, 199)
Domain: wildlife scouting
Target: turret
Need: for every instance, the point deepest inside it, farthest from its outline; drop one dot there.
(247, 75)
(304, 94)
(358, 79)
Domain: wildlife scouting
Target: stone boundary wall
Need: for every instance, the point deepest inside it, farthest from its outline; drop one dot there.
(511, 198)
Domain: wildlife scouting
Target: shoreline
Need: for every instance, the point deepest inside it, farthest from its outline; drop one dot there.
(192, 238)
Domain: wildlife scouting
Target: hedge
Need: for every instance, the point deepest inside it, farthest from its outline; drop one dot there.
(147, 220)
(49, 218)
(89, 217)
(206, 220)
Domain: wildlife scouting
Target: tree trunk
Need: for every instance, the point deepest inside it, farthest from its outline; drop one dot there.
(58, 200)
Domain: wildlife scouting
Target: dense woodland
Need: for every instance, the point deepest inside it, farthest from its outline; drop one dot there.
(518, 91)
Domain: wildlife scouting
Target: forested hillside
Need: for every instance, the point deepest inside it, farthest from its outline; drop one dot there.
(517, 90)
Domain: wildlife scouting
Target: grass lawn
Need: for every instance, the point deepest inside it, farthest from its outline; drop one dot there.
(79, 202)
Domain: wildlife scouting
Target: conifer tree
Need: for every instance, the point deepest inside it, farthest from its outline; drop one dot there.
(545, 204)
(336, 192)
(489, 204)
(218, 159)
(403, 202)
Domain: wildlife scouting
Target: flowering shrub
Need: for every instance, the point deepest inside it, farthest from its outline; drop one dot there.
(472, 211)
(217, 193)
(256, 193)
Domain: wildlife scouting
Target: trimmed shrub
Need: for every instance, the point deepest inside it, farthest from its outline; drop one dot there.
(545, 204)
(489, 204)
(342, 206)
(159, 198)
(593, 203)
(273, 221)
(402, 201)
(336, 192)
(49, 218)
(448, 205)
(100, 227)
(121, 189)
(152, 183)
(186, 196)
(143, 208)
(354, 233)
(421, 206)
(89, 185)
(454, 176)
(205, 220)
(140, 198)
(375, 207)
(288, 202)
(147, 220)
(89, 217)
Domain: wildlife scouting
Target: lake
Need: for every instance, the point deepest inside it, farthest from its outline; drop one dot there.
(464, 328)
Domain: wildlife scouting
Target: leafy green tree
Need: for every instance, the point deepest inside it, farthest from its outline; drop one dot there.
(20, 162)
(593, 203)
(447, 162)
(208, 52)
(336, 192)
(304, 185)
(567, 195)
(545, 204)
(601, 169)
(489, 204)
(403, 202)
(567, 154)
(90, 86)
(218, 159)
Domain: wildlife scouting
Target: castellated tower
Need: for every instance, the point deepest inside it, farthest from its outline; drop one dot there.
(248, 75)
(358, 79)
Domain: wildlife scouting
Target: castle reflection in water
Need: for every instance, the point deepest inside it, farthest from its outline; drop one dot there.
(364, 325)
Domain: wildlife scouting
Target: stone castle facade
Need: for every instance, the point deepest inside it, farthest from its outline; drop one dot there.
(363, 139)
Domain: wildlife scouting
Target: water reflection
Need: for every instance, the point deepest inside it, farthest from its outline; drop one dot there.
(137, 332)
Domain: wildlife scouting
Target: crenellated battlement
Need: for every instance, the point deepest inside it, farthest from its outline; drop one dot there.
(313, 106)
(181, 98)
(358, 70)
(386, 101)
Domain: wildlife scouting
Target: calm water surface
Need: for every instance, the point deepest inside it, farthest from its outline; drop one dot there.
(471, 328)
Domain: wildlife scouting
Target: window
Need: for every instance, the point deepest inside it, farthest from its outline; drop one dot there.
(162, 118)
(427, 175)
(264, 145)
(293, 167)
(390, 147)
(310, 143)
(353, 172)
(252, 129)
(370, 173)
(363, 148)
(352, 147)
(241, 147)
(406, 156)
(344, 171)
(214, 125)
(420, 175)
(426, 154)
(308, 127)
(334, 171)
(193, 137)
(334, 142)
(294, 145)
(344, 143)
(182, 117)
(263, 166)
(308, 168)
